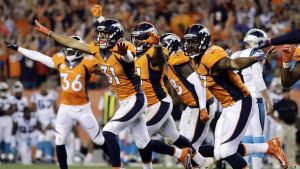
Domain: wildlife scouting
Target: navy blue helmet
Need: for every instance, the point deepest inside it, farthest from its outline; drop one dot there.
(196, 40)
(139, 34)
(108, 33)
(170, 41)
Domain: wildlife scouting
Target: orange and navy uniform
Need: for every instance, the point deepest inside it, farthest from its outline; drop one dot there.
(121, 75)
(184, 89)
(225, 85)
(74, 79)
(151, 80)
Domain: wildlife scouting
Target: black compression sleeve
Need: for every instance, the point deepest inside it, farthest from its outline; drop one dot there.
(292, 37)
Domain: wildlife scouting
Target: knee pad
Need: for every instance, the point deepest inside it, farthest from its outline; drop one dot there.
(141, 144)
(223, 151)
(99, 140)
(59, 139)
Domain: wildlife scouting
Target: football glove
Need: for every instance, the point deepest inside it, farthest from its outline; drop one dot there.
(39, 27)
(96, 10)
(153, 39)
(12, 46)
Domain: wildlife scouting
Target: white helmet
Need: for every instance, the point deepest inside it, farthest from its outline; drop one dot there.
(3, 89)
(17, 87)
(73, 54)
(254, 36)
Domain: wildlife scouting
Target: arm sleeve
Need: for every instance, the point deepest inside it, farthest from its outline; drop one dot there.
(37, 56)
(289, 38)
(200, 90)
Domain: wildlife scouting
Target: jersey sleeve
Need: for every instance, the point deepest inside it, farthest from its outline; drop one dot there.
(297, 54)
(131, 47)
(178, 59)
(57, 59)
(212, 56)
(90, 62)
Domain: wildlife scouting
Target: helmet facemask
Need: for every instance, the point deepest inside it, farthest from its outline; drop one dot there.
(72, 55)
(193, 47)
(103, 39)
(137, 39)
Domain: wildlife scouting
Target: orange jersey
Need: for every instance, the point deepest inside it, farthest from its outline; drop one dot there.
(151, 80)
(121, 75)
(184, 89)
(74, 79)
(225, 85)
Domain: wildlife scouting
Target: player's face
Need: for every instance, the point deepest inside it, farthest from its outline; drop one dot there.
(27, 113)
(102, 39)
(191, 47)
(18, 95)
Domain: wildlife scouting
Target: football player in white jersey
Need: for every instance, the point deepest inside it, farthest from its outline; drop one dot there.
(20, 100)
(253, 79)
(43, 102)
(26, 129)
(6, 110)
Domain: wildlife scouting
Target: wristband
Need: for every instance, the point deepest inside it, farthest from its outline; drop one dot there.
(286, 65)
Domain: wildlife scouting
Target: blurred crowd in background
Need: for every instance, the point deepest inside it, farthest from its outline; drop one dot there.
(228, 21)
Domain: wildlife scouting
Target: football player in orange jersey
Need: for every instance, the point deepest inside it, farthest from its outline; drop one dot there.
(194, 122)
(115, 57)
(151, 66)
(74, 69)
(227, 87)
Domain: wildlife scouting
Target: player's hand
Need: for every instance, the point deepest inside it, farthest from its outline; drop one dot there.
(264, 44)
(39, 27)
(153, 39)
(288, 52)
(12, 46)
(96, 10)
(269, 53)
(121, 49)
(204, 116)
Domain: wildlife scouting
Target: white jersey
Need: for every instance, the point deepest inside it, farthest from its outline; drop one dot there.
(252, 76)
(45, 106)
(6, 103)
(20, 103)
(27, 129)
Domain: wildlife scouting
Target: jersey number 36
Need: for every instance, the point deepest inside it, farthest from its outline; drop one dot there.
(76, 85)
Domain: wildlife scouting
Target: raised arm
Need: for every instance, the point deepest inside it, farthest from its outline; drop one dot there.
(34, 55)
(159, 58)
(62, 39)
(241, 63)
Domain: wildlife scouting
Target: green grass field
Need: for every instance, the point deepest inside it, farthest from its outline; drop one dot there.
(18, 166)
